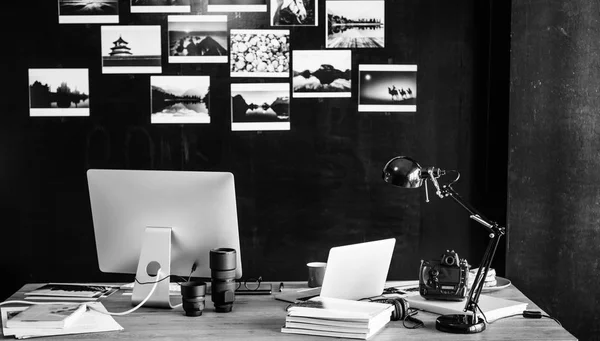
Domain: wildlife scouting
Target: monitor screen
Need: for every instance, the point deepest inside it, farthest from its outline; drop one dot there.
(199, 207)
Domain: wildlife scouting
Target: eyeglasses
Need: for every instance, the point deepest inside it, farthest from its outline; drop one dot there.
(250, 284)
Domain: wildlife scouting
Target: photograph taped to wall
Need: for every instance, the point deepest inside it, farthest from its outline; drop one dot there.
(59, 92)
(260, 106)
(180, 99)
(260, 53)
(236, 6)
(131, 49)
(355, 24)
(294, 13)
(198, 39)
(88, 12)
(322, 73)
(160, 6)
(387, 88)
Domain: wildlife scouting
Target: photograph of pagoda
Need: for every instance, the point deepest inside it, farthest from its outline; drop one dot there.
(131, 49)
(198, 39)
(355, 24)
(260, 106)
(160, 6)
(180, 99)
(59, 92)
(88, 12)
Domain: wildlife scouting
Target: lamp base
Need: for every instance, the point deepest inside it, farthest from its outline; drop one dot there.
(459, 324)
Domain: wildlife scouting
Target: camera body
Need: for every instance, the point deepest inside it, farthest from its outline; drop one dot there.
(444, 279)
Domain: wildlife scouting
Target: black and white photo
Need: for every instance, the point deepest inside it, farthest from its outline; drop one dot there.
(294, 13)
(59, 92)
(237, 6)
(260, 106)
(180, 99)
(387, 88)
(322, 73)
(88, 12)
(198, 39)
(131, 49)
(355, 24)
(260, 53)
(160, 6)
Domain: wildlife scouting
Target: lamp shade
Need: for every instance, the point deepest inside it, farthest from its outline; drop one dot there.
(403, 171)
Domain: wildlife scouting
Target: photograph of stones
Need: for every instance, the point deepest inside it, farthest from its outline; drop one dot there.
(294, 13)
(160, 6)
(59, 92)
(387, 88)
(88, 12)
(260, 106)
(260, 53)
(322, 73)
(355, 24)
(198, 39)
(131, 49)
(180, 99)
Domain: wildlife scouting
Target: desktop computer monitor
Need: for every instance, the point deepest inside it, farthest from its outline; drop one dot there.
(168, 219)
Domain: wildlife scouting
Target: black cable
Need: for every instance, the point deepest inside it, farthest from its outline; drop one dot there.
(144, 283)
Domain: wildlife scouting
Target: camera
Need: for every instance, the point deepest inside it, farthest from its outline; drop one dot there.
(444, 279)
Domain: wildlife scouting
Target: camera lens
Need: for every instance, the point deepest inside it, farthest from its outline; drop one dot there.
(222, 269)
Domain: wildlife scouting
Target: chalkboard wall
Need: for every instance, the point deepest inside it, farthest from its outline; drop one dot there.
(299, 192)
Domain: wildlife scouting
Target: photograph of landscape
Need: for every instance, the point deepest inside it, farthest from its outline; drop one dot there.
(198, 39)
(131, 49)
(160, 6)
(180, 99)
(237, 6)
(260, 106)
(294, 13)
(59, 92)
(88, 12)
(322, 73)
(355, 24)
(387, 88)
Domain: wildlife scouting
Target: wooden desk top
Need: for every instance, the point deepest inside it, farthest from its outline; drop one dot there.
(261, 318)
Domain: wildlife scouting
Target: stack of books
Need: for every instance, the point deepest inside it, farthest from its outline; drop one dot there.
(71, 292)
(337, 318)
(56, 319)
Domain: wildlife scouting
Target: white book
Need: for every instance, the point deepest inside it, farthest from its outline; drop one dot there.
(361, 336)
(90, 321)
(45, 316)
(340, 309)
(493, 307)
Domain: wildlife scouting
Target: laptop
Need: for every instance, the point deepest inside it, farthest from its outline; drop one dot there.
(353, 272)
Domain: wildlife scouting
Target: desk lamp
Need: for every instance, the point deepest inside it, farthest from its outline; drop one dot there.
(403, 171)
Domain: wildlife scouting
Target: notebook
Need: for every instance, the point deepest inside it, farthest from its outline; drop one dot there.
(353, 272)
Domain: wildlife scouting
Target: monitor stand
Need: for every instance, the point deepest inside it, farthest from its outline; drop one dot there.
(155, 254)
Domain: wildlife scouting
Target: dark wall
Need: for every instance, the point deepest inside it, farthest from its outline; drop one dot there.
(300, 192)
(553, 183)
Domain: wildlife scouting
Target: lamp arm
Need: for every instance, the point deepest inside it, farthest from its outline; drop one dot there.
(495, 233)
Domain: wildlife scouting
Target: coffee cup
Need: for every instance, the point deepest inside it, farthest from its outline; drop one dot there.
(316, 273)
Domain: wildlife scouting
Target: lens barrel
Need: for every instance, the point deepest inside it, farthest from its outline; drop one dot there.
(222, 269)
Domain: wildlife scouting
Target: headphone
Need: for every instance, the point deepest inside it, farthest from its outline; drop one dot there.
(402, 311)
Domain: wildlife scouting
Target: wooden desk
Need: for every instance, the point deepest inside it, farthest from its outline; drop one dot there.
(261, 317)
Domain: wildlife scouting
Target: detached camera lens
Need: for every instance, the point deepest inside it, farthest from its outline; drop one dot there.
(222, 265)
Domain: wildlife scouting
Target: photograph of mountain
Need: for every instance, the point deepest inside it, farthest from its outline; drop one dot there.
(180, 99)
(260, 53)
(355, 24)
(160, 6)
(387, 88)
(322, 73)
(237, 6)
(59, 92)
(294, 13)
(131, 49)
(88, 12)
(198, 39)
(260, 106)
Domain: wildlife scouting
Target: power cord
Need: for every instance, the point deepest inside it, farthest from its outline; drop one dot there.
(531, 314)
